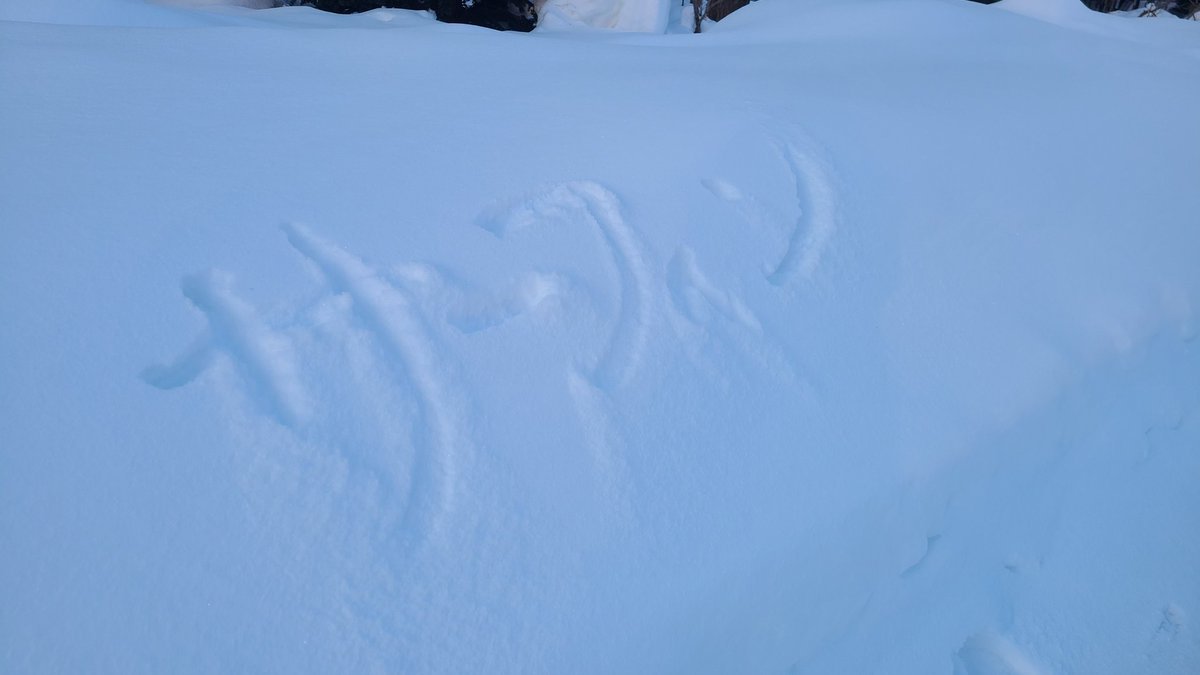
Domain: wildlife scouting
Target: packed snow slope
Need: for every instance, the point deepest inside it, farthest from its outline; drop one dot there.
(852, 336)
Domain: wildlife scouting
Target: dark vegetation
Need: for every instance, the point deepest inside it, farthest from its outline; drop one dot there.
(1186, 9)
(517, 15)
(714, 10)
(521, 15)
(1182, 8)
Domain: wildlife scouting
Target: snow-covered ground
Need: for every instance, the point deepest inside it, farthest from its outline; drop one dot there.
(851, 336)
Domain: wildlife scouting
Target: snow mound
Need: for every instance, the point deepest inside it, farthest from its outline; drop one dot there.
(1050, 10)
(98, 13)
(633, 16)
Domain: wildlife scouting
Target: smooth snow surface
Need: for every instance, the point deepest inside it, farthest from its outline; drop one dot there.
(852, 336)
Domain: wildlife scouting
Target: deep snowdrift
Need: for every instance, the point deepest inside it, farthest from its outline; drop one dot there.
(851, 337)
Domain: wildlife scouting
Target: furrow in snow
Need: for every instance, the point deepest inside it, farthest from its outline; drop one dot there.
(631, 332)
(592, 204)
(816, 221)
(265, 358)
(386, 312)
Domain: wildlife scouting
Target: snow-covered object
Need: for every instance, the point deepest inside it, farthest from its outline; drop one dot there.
(635, 16)
(852, 336)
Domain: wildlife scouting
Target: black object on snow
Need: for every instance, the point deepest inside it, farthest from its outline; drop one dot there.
(498, 14)
(355, 6)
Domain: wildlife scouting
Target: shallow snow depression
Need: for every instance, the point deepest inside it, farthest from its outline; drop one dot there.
(846, 337)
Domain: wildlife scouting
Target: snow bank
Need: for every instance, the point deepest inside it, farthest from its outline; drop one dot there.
(341, 343)
(637, 16)
(1052, 10)
(97, 13)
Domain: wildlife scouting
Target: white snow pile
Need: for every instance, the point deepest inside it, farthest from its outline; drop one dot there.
(852, 336)
(638, 16)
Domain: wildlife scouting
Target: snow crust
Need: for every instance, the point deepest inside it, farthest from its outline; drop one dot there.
(846, 337)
